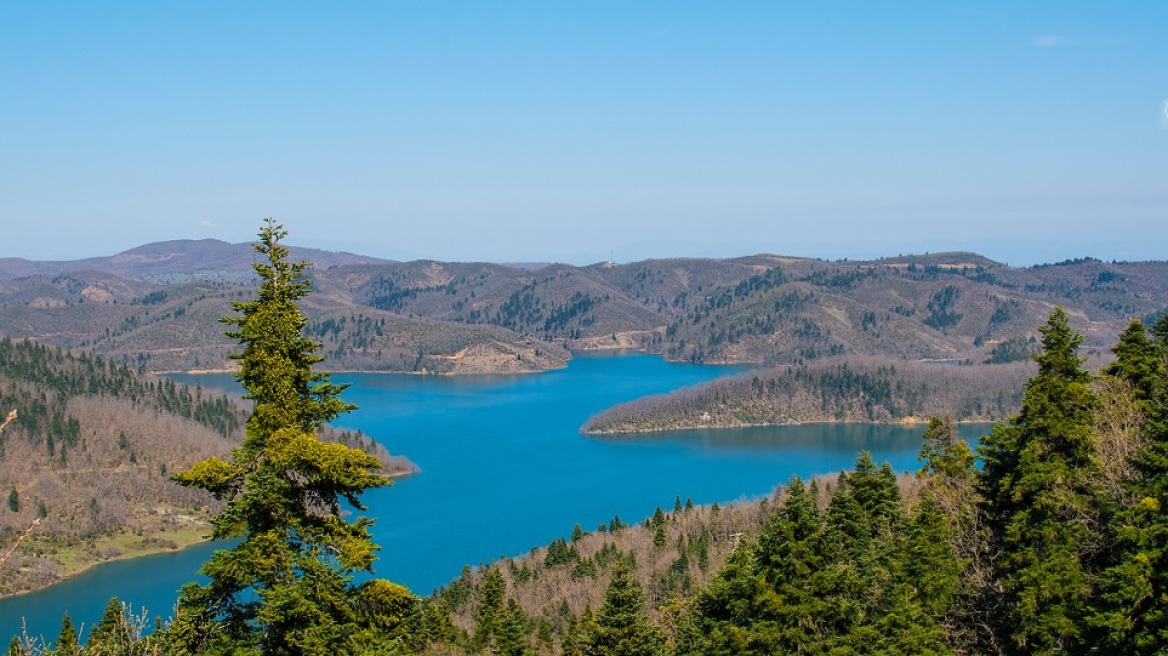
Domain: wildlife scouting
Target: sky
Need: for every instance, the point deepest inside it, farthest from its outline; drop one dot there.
(588, 130)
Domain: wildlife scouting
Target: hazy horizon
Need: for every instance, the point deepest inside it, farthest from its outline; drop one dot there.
(585, 259)
(531, 132)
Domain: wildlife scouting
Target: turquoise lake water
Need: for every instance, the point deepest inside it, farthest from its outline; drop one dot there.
(504, 469)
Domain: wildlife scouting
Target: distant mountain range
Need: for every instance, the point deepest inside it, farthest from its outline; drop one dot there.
(181, 260)
(156, 307)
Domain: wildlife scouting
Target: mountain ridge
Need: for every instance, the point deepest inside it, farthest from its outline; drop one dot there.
(178, 260)
(156, 307)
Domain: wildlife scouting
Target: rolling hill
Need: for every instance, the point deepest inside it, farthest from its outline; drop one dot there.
(156, 308)
(89, 454)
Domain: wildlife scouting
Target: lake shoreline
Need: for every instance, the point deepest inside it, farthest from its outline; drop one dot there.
(907, 421)
(501, 372)
(505, 451)
(184, 541)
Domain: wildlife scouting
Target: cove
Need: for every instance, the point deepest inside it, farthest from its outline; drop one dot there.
(503, 469)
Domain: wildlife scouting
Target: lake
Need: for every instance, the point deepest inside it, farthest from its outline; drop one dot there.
(503, 469)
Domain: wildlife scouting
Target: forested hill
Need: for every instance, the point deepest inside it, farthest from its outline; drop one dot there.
(437, 317)
(90, 453)
(862, 391)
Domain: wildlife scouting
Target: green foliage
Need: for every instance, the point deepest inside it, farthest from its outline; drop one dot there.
(511, 637)
(577, 641)
(390, 616)
(67, 643)
(852, 580)
(615, 524)
(1132, 616)
(112, 627)
(1038, 482)
(942, 312)
(929, 562)
(659, 537)
(435, 625)
(286, 587)
(560, 553)
(1138, 360)
(944, 453)
(14, 500)
(622, 627)
(488, 613)
(15, 648)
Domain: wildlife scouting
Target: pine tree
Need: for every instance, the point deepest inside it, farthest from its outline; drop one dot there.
(1138, 360)
(875, 489)
(67, 644)
(951, 492)
(112, 631)
(435, 623)
(622, 627)
(285, 588)
(1132, 615)
(15, 648)
(659, 537)
(865, 503)
(14, 500)
(727, 611)
(489, 609)
(943, 452)
(511, 639)
(930, 565)
(580, 635)
(792, 557)
(1038, 485)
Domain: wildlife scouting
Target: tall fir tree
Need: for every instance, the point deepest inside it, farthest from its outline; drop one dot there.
(1039, 485)
(511, 638)
(67, 642)
(113, 631)
(950, 490)
(286, 587)
(943, 453)
(1139, 360)
(488, 612)
(580, 634)
(1132, 616)
(622, 627)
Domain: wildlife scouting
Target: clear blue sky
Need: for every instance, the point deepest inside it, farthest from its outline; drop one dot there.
(524, 131)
